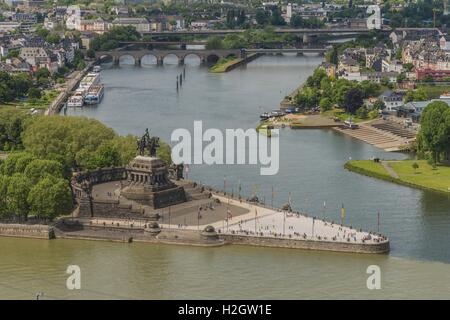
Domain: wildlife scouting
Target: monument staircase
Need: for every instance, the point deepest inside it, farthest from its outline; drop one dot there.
(193, 190)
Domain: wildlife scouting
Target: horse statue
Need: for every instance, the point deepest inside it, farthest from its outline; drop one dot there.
(147, 143)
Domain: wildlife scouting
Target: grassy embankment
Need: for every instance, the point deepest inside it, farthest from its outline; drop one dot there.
(223, 64)
(342, 115)
(42, 103)
(424, 177)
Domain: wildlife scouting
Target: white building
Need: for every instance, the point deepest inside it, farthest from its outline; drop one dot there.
(8, 26)
(141, 24)
(391, 66)
(73, 20)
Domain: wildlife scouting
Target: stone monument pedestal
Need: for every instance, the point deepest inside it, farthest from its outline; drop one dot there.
(148, 183)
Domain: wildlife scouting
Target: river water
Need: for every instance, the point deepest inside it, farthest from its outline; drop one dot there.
(311, 171)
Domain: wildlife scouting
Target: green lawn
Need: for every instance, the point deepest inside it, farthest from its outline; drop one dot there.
(343, 116)
(223, 64)
(425, 177)
(370, 165)
(47, 97)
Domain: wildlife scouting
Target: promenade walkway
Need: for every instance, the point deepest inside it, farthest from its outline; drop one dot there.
(389, 169)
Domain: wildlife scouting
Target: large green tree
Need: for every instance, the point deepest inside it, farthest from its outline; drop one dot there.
(4, 182)
(16, 163)
(19, 187)
(214, 43)
(39, 169)
(49, 198)
(435, 130)
(353, 100)
(73, 141)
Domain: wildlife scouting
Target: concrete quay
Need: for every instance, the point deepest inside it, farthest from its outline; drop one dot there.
(71, 85)
(210, 222)
(390, 139)
(35, 231)
(236, 222)
(265, 226)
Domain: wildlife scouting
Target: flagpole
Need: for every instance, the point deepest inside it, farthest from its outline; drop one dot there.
(239, 189)
(313, 221)
(272, 197)
(378, 222)
(224, 184)
(256, 214)
(169, 217)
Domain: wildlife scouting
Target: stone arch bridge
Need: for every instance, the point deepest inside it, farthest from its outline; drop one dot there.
(205, 56)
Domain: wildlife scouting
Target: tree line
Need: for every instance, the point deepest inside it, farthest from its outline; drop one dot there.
(328, 92)
(44, 151)
(111, 39)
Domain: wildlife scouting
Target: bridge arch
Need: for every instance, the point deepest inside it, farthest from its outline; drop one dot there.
(170, 59)
(106, 58)
(212, 58)
(127, 59)
(149, 59)
(191, 59)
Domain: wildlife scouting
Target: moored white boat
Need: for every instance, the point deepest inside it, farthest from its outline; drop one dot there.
(77, 99)
(94, 94)
(90, 79)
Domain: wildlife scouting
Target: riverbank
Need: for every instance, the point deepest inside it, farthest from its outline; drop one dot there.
(71, 84)
(246, 223)
(385, 135)
(402, 172)
(35, 231)
(226, 65)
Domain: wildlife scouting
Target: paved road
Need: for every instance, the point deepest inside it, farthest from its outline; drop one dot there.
(277, 30)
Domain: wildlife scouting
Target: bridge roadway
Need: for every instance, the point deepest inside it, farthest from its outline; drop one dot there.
(278, 31)
(205, 56)
(319, 50)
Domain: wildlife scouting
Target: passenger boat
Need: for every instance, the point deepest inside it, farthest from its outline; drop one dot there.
(96, 69)
(94, 94)
(90, 79)
(77, 99)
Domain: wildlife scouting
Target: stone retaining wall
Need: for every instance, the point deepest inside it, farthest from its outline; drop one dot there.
(109, 208)
(307, 244)
(243, 62)
(27, 231)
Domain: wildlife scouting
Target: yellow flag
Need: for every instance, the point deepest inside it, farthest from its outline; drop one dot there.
(342, 214)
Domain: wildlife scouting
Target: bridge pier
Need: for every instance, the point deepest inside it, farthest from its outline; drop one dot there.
(116, 61)
(159, 61)
(180, 61)
(137, 62)
(306, 39)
